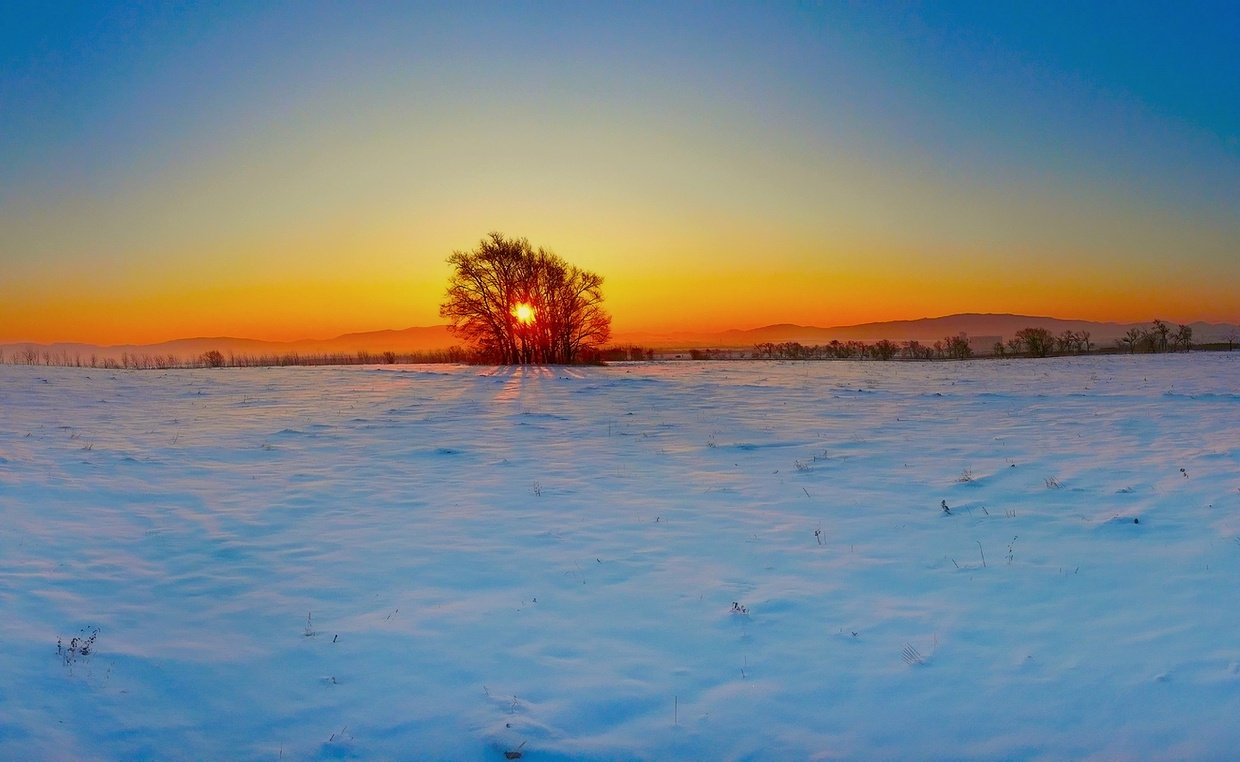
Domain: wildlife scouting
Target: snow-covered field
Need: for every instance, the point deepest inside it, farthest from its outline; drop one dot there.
(700, 561)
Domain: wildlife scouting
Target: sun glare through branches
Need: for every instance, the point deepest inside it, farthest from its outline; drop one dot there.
(524, 313)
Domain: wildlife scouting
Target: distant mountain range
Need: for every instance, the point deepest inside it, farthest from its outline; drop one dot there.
(985, 329)
(977, 325)
(408, 340)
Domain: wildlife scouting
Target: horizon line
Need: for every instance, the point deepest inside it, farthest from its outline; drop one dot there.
(663, 332)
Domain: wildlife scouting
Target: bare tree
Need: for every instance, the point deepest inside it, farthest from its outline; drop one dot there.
(1149, 341)
(1159, 333)
(884, 349)
(1231, 336)
(516, 305)
(212, 358)
(1039, 341)
(957, 347)
(1131, 339)
(1184, 337)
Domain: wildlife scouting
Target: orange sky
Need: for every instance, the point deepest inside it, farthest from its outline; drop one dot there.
(289, 309)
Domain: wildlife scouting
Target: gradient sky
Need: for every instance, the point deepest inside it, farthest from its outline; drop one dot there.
(297, 170)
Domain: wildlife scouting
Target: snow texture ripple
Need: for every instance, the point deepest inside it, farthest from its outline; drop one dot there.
(728, 560)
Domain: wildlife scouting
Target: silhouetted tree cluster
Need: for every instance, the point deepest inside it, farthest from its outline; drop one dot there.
(915, 350)
(794, 350)
(884, 350)
(1157, 338)
(954, 347)
(361, 357)
(212, 358)
(515, 305)
(1040, 342)
(33, 355)
(1184, 338)
(1073, 342)
(1037, 342)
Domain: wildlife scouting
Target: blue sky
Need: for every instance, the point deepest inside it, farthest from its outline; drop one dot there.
(182, 169)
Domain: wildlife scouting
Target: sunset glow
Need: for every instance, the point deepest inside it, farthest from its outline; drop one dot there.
(524, 313)
(263, 172)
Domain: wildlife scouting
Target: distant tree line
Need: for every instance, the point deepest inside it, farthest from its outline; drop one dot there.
(214, 358)
(716, 354)
(1040, 342)
(950, 348)
(1160, 338)
(1027, 342)
(620, 354)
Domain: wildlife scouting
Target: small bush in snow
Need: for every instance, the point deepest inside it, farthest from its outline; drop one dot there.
(78, 647)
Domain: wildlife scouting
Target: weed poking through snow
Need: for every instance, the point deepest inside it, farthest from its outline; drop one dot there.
(78, 648)
(911, 655)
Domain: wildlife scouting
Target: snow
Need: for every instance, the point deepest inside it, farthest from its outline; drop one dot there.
(441, 562)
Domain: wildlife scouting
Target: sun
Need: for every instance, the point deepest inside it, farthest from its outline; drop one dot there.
(524, 313)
